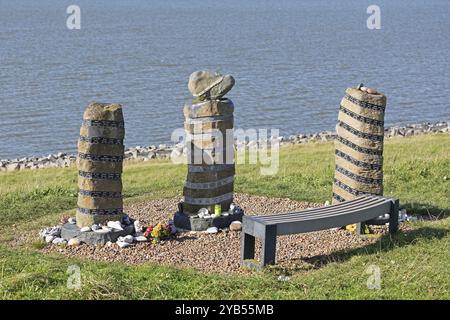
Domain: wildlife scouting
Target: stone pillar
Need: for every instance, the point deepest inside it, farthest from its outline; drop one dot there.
(210, 143)
(210, 178)
(359, 144)
(99, 163)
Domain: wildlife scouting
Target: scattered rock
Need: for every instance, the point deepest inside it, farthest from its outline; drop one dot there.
(49, 239)
(138, 226)
(128, 239)
(72, 220)
(74, 242)
(102, 230)
(115, 225)
(164, 151)
(123, 244)
(236, 226)
(95, 227)
(126, 220)
(85, 229)
(283, 278)
(212, 230)
(140, 239)
(59, 241)
(203, 213)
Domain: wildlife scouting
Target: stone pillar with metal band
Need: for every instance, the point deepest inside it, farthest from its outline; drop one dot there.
(210, 177)
(209, 189)
(99, 163)
(359, 144)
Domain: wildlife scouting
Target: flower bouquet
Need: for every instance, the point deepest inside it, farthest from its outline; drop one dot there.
(157, 232)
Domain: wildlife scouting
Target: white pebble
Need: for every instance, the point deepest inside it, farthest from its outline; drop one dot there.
(85, 229)
(123, 244)
(115, 225)
(212, 230)
(74, 242)
(140, 239)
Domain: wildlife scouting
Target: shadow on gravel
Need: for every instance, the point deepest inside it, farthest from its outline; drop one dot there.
(384, 243)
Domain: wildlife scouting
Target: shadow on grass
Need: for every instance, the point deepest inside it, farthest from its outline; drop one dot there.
(385, 243)
(425, 211)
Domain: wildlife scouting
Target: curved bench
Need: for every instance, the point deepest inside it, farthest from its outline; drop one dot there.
(267, 228)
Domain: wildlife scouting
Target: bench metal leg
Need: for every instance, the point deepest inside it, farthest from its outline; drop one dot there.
(269, 245)
(393, 216)
(247, 247)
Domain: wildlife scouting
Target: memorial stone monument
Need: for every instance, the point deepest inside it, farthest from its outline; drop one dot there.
(359, 144)
(209, 188)
(99, 163)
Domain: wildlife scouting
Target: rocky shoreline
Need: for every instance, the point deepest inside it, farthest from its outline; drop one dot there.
(165, 151)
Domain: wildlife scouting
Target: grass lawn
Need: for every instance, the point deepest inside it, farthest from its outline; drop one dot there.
(412, 265)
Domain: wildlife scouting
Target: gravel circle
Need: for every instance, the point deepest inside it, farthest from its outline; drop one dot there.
(220, 252)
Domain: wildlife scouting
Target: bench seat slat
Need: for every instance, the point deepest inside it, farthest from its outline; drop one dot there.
(303, 215)
(330, 221)
(351, 203)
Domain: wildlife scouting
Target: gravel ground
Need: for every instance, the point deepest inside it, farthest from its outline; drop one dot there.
(220, 252)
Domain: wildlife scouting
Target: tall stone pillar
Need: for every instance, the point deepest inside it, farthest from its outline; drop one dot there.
(210, 178)
(359, 144)
(209, 188)
(99, 163)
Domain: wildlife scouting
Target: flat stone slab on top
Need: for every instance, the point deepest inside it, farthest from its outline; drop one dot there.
(194, 223)
(70, 231)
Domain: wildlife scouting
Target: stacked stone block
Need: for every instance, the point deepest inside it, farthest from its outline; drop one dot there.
(210, 178)
(99, 163)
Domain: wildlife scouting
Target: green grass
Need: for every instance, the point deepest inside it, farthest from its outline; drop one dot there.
(413, 265)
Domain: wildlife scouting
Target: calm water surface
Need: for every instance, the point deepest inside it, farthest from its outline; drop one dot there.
(292, 61)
